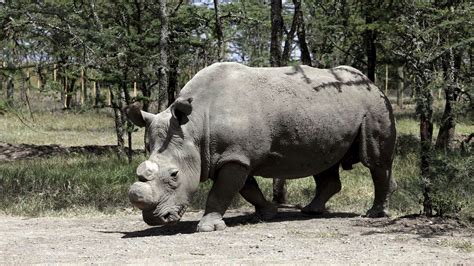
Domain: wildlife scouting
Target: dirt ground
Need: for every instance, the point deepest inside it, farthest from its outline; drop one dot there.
(291, 238)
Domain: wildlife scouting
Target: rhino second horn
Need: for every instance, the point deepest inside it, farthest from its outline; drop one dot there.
(146, 170)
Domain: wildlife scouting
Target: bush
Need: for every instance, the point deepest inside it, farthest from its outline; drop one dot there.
(451, 183)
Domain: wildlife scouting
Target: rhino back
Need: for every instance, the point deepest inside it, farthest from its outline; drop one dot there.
(283, 122)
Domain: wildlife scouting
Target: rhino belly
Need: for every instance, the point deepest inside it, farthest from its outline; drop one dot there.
(301, 161)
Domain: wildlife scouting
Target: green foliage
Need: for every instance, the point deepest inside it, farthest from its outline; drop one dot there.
(451, 183)
(3, 107)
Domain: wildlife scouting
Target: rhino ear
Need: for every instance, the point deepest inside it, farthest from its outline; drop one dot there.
(181, 108)
(137, 116)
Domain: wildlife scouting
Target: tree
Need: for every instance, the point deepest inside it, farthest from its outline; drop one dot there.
(305, 53)
(163, 70)
(417, 40)
(218, 31)
(277, 27)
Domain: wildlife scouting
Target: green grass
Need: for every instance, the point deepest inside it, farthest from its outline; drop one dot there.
(81, 184)
(57, 184)
(65, 128)
(99, 184)
(410, 126)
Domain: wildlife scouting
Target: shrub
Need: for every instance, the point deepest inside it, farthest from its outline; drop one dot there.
(451, 183)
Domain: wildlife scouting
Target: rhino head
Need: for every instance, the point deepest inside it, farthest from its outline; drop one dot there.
(170, 176)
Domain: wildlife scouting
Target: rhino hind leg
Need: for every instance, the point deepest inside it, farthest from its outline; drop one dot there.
(377, 139)
(328, 184)
(384, 185)
(264, 209)
(230, 180)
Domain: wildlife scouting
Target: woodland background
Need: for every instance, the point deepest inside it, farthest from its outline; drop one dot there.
(68, 68)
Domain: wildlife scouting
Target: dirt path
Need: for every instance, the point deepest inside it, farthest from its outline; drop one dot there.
(291, 238)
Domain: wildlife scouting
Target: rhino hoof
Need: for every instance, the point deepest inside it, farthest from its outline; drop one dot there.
(377, 213)
(211, 223)
(266, 213)
(314, 211)
(219, 225)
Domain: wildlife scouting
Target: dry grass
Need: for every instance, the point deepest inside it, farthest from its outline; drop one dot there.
(27, 186)
(66, 128)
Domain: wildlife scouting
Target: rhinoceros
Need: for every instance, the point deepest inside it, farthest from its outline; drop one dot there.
(231, 122)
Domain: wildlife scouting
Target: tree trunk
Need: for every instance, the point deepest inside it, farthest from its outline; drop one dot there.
(2, 86)
(369, 37)
(305, 54)
(426, 135)
(279, 190)
(276, 36)
(42, 78)
(146, 93)
(69, 86)
(10, 89)
(173, 81)
(96, 93)
(280, 195)
(163, 71)
(425, 111)
(285, 58)
(386, 80)
(448, 121)
(84, 97)
(119, 126)
(401, 86)
(124, 101)
(219, 33)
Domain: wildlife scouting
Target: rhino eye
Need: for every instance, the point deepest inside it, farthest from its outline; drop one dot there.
(174, 173)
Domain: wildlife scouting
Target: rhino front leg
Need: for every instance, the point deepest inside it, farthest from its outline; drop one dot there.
(328, 183)
(230, 180)
(264, 209)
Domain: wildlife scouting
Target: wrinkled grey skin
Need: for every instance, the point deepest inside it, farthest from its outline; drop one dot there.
(232, 122)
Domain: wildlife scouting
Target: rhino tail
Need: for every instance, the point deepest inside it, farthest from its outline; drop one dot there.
(364, 141)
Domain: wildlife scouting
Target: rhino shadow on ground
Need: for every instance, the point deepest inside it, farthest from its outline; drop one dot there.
(189, 227)
(422, 226)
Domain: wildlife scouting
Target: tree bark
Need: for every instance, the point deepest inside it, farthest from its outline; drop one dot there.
(276, 35)
(173, 81)
(401, 86)
(370, 36)
(279, 190)
(146, 93)
(219, 33)
(10, 90)
(426, 136)
(124, 101)
(448, 121)
(425, 111)
(119, 125)
(69, 93)
(163, 101)
(285, 58)
(280, 195)
(305, 54)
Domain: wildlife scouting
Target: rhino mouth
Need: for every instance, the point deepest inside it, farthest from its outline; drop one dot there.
(163, 216)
